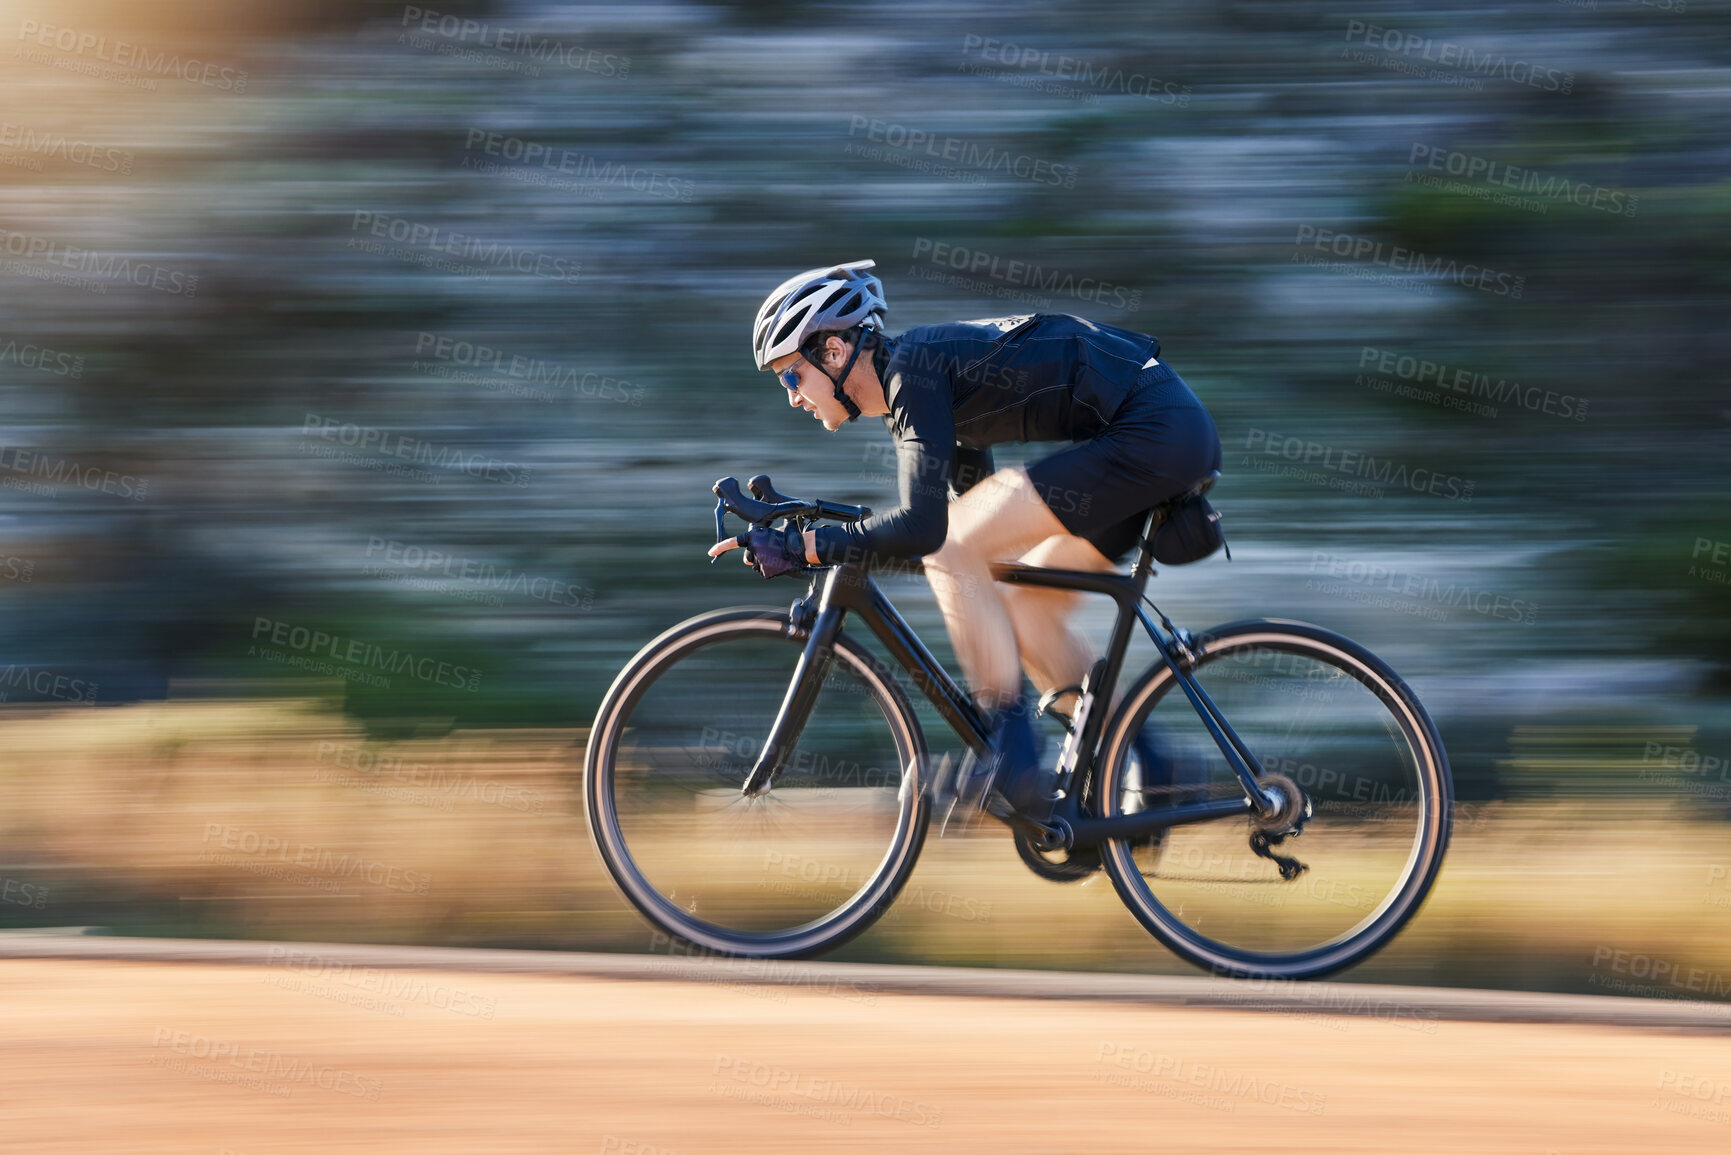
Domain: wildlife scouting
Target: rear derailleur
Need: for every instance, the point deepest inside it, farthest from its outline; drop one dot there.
(1284, 821)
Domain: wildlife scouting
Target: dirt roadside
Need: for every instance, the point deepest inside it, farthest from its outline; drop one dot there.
(152, 1057)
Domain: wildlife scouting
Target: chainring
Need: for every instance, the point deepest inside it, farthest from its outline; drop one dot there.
(1056, 865)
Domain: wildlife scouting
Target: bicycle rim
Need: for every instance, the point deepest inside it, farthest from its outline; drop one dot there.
(801, 868)
(1322, 712)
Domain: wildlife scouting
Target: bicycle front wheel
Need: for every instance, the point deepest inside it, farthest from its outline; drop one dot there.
(1317, 710)
(799, 869)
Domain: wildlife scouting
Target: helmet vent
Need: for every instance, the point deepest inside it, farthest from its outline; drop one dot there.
(817, 300)
(787, 330)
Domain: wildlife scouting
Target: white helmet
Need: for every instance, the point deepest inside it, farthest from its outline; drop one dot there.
(820, 299)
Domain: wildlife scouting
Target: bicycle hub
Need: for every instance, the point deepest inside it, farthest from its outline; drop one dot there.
(1291, 805)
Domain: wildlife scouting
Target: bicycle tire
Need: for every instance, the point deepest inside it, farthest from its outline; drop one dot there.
(1433, 803)
(601, 776)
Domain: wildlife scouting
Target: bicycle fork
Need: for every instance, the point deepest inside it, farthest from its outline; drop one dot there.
(802, 691)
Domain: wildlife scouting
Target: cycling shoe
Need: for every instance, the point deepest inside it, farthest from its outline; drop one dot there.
(1009, 777)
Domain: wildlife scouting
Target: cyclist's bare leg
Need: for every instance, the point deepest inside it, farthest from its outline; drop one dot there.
(999, 519)
(1053, 655)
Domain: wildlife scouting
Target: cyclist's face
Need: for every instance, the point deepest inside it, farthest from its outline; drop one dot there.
(815, 393)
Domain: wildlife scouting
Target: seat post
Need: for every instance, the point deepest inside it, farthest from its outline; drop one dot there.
(1144, 566)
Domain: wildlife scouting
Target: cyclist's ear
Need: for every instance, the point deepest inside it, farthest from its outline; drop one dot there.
(835, 351)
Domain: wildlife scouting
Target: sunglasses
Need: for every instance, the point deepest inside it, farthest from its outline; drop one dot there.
(790, 375)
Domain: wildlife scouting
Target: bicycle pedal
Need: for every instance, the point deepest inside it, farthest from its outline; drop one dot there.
(965, 797)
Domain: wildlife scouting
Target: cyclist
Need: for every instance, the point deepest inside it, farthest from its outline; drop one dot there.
(947, 393)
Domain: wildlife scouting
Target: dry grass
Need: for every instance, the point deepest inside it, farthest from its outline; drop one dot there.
(156, 818)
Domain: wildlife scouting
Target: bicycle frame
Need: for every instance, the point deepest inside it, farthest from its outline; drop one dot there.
(849, 588)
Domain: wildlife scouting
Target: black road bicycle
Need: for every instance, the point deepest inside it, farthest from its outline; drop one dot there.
(757, 781)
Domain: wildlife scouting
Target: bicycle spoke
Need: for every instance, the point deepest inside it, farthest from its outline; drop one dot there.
(1316, 720)
(688, 841)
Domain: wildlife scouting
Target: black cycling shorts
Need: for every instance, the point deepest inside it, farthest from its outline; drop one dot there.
(1160, 443)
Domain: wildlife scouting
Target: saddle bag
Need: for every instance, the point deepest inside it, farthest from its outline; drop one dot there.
(1190, 532)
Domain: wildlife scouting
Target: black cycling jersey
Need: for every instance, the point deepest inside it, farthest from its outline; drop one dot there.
(954, 390)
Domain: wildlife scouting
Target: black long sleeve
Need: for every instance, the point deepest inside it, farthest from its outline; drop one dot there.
(971, 467)
(928, 462)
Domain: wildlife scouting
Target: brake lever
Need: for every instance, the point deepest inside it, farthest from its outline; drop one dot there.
(721, 533)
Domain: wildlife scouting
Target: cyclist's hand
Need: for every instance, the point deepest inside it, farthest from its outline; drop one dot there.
(773, 551)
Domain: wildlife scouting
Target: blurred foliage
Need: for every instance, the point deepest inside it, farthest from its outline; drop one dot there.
(355, 114)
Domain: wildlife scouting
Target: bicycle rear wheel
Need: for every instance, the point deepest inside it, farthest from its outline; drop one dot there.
(1317, 710)
(799, 869)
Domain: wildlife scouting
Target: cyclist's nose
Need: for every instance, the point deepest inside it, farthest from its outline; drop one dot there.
(793, 398)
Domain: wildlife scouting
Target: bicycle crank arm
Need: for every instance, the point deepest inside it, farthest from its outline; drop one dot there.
(1087, 833)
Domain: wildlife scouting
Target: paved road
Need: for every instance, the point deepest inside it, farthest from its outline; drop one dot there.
(362, 1049)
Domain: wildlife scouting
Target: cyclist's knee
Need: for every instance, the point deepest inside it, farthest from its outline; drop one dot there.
(951, 555)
